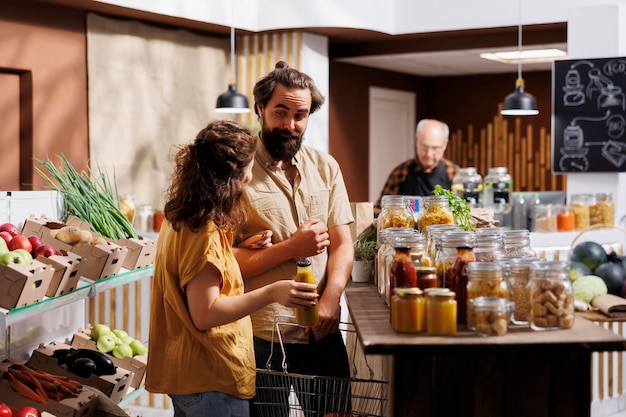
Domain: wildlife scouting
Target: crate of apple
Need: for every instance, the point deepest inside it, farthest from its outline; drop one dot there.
(16, 248)
(117, 342)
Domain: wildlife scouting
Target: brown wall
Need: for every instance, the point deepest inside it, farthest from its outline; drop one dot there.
(43, 59)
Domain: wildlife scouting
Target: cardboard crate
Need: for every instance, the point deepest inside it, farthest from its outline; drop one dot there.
(66, 273)
(24, 284)
(98, 261)
(141, 252)
(113, 386)
(136, 364)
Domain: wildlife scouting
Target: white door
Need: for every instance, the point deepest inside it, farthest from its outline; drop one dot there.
(392, 134)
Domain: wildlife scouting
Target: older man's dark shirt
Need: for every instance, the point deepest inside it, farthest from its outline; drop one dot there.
(409, 178)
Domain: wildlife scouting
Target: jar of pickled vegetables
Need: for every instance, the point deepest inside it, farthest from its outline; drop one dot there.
(408, 310)
(436, 211)
(485, 279)
(441, 310)
(395, 212)
(551, 296)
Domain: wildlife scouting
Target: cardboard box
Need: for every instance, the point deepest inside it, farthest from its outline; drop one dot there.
(141, 252)
(113, 386)
(24, 284)
(97, 262)
(136, 364)
(66, 273)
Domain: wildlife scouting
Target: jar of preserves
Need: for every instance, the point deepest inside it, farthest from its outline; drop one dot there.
(491, 315)
(402, 273)
(498, 190)
(458, 281)
(517, 243)
(417, 242)
(441, 310)
(551, 296)
(447, 253)
(395, 212)
(307, 317)
(426, 277)
(607, 209)
(408, 310)
(487, 246)
(385, 255)
(485, 279)
(468, 185)
(565, 219)
(580, 207)
(436, 211)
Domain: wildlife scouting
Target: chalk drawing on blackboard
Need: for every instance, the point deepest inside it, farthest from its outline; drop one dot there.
(574, 150)
(573, 89)
(609, 94)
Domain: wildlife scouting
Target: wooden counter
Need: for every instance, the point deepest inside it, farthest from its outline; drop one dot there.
(523, 373)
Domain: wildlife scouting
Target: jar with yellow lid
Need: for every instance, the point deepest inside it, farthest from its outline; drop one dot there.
(441, 309)
(408, 310)
(436, 211)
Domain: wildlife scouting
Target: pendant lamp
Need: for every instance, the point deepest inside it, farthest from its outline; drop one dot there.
(232, 101)
(519, 102)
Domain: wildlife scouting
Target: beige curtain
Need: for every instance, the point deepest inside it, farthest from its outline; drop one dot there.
(149, 89)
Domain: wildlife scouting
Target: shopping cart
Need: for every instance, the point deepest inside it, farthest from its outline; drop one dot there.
(282, 393)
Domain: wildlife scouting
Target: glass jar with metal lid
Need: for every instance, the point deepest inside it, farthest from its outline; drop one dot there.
(408, 310)
(426, 277)
(447, 253)
(580, 207)
(491, 315)
(551, 296)
(433, 233)
(485, 279)
(441, 310)
(517, 243)
(517, 275)
(417, 242)
(487, 247)
(385, 255)
(607, 208)
(468, 185)
(436, 211)
(395, 212)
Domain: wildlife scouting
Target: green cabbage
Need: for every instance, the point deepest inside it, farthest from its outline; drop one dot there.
(587, 287)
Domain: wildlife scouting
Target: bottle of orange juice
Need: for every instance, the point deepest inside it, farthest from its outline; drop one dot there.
(306, 316)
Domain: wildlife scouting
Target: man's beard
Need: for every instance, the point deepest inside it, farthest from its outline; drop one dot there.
(281, 144)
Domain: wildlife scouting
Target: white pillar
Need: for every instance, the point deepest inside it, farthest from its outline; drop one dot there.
(598, 31)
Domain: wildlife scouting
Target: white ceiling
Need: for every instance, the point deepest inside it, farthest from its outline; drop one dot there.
(450, 63)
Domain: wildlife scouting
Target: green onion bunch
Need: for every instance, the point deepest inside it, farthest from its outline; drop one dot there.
(461, 210)
(92, 198)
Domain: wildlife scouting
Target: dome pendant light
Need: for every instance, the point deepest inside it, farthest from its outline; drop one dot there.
(232, 101)
(519, 103)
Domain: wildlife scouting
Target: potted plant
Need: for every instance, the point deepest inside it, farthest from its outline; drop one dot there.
(365, 252)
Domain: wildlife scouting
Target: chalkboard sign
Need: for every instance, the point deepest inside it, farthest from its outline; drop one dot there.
(589, 99)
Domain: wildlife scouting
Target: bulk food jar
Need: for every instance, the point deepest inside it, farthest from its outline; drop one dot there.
(447, 253)
(498, 190)
(551, 296)
(436, 211)
(485, 279)
(468, 185)
(395, 212)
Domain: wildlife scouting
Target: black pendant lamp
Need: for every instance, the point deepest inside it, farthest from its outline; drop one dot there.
(519, 102)
(232, 101)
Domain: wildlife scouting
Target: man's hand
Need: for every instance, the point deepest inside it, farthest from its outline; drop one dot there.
(310, 239)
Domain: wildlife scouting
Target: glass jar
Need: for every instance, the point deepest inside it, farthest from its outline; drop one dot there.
(395, 212)
(468, 185)
(408, 310)
(595, 216)
(127, 206)
(516, 272)
(143, 218)
(580, 207)
(551, 296)
(545, 220)
(447, 253)
(426, 277)
(458, 280)
(565, 219)
(491, 315)
(441, 310)
(384, 258)
(402, 273)
(436, 211)
(487, 246)
(157, 220)
(433, 233)
(607, 209)
(497, 190)
(517, 243)
(307, 317)
(485, 279)
(417, 242)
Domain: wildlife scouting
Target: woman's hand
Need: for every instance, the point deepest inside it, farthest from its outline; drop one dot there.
(261, 240)
(294, 294)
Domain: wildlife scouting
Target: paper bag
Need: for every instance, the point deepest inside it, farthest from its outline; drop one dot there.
(363, 214)
(611, 305)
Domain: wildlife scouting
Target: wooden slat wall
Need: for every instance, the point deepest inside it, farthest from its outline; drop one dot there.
(527, 153)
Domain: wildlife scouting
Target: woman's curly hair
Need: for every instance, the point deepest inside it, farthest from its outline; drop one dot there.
(206, 183)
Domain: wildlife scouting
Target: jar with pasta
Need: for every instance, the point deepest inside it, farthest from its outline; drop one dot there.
(447, 254)
(485, 279)
(607, 208)
(436, 211)
(551, 296)
(395, 212)
(580, 207)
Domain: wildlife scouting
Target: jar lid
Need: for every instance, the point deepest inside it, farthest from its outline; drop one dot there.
(427, 291)
(492, 304)
(425, 269)
(406, 291)
(442, 293)
(304, 262)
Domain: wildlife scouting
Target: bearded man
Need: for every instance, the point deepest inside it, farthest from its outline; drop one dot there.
(298, 197)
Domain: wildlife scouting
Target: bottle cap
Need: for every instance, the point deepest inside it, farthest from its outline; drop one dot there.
(304, 262)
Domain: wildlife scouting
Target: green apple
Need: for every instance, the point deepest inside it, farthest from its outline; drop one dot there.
(100, 330)
(12, 257)
(120, 333)
(26, 255)
(138, 347)
(106, 343)
(3, 246)
(122, 351)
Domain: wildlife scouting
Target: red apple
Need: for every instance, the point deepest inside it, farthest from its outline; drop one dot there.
(44, 250)
(20, 241)
(35, 241)
(6, 236)
(9, 227)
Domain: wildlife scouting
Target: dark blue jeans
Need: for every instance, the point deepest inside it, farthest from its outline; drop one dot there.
(326, 357)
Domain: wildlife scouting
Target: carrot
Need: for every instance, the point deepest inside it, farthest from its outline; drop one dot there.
(21, 376)
(49, 386)
(38, 387)
(23, 389)
(39, 374)
(70, 384)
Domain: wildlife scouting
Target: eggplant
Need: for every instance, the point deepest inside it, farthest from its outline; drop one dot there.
(104, 364)
(83, 367)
